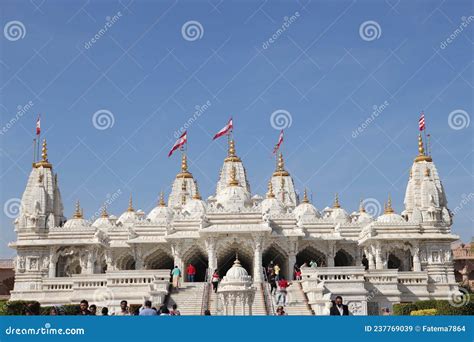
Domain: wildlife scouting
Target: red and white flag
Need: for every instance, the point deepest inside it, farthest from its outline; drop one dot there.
(280, 140)
(421, 122)
(227, 128)
(38, 126)
(179, 143)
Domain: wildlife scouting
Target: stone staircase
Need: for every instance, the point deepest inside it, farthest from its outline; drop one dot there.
(258, 308)
(189, 298)
(297, 301)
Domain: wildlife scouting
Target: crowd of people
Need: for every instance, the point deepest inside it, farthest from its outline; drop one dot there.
(147, 309)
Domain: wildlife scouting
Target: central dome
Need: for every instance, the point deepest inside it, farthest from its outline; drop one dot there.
(236, 272)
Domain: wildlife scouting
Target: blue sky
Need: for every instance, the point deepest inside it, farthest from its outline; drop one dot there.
(323, 69)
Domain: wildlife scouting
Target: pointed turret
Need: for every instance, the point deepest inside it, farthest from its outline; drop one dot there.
(232, 161)
(283, 184)
(41, 204)
(425, 198)
(184, 186)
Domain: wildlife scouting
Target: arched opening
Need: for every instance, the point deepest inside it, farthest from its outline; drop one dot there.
(100, 265)
(343, 258)
(67, 265)
(199, 260)
(127, 262)
(400, 259)
(309, 254)
(159, 260)
(274, 255)
(227, 255)
(393, 262)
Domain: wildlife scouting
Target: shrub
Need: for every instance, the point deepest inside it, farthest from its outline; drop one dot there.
(18, 307)
(442, 307)
(71, 309)
(425, 312)
(3, 307)
(403, 309)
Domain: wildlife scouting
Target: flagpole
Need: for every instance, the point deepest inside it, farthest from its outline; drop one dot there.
(34, 151)
(424, 132)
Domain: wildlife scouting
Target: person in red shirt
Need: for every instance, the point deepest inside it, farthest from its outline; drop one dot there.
(281, 293)
(191, 271)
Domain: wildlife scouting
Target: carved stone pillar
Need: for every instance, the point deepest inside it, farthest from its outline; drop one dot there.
(416, 259)
(378, 257)
(257, 259)
(53, 259)
(138, 256)
(358, 256)
(293, 248)
(331, 253)
(211, 255)
(177, 250)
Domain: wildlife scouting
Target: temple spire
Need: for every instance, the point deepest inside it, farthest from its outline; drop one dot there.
(280, 167)
(270, 193)
(44, 157)
(104, 211)
(130, 204)
(197, 195)
(305, 196)
(361, 206)
(184, 167)
(162, 203)
(78, 213)
(421, 151)
(388, 206)
(336, 201)
(231, 155)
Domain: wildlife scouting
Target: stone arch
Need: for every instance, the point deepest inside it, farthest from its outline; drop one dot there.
(400, 259)
(227, 252)
(100, 264)
(274, 253)
(343, 258)
(309, 253)
(67, 265)
(158, 259)
(198, 258)
(126, 262)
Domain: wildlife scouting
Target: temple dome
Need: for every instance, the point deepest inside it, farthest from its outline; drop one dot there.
(196, 206)
(234, 196)
(306, 209)
(161, 212)
(78, 220)
(271, 204)
(338, 214)
(237, 272)
(130, 216)
(389, 215)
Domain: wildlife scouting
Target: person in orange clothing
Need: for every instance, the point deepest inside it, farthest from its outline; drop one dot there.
(191, 271)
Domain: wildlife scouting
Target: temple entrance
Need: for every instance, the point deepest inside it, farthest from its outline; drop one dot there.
(159, 260)
(274, 255)
(343, 258)
(400, 259)
(199, 260)
(226, 258)
(127, 262)
(309, 254)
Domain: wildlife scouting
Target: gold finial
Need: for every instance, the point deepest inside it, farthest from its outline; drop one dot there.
(305, 196)
(197, 195)
(427, 172)
(388, 206)
(130, 204)
(104, 211)
(78, 213)
(162, 203)
(270, 193)
(233, 177)
(361, 206)
(336, 201)
(280, 167)
(184, 168)
(421, 151)
(231, 156)
(44, 157)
